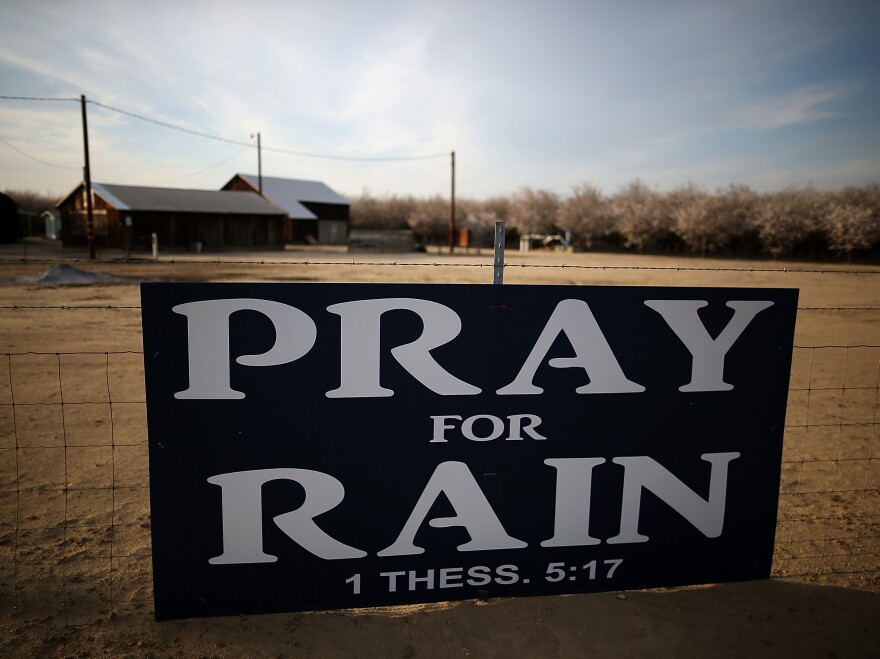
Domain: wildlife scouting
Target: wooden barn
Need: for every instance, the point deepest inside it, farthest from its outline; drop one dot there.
(128, 215)
(316, 213)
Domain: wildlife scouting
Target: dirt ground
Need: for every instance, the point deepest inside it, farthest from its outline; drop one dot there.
(74, 513)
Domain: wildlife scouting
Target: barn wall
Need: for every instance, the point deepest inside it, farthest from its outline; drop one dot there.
(304, 231)
(213, 231)
(73, 222)
(174, 230)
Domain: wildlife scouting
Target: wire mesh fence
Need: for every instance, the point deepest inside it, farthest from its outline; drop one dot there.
(74, 489)
(828, 526)
(74, 511)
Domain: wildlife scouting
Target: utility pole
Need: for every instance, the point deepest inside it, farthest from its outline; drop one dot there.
(87, 182)
(452, 209)
(259, 165)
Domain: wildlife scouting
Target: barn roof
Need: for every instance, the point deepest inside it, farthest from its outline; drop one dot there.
(290, 194)
(178, 200)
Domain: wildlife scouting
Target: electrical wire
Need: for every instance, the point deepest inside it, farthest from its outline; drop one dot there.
(250, 145)
(218, 138)
(216, 164)
(36, 98)
(42, 162)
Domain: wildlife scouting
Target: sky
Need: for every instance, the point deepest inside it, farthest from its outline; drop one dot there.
(550, 95)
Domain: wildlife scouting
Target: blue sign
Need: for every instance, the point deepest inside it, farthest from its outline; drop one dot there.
(322, 446)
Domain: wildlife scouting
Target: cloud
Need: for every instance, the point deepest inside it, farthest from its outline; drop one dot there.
(390, 102)
(527, 94)
(798, 106)
(854, 171)
(40, 67)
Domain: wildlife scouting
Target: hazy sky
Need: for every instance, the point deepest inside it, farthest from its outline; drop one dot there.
(768, 93)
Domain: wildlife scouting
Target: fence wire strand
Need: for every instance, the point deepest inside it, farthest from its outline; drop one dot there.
(172, 261)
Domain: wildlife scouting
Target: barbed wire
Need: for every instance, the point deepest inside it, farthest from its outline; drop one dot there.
(68, 307)
(428, 264)
(838, 308)
(56, 353)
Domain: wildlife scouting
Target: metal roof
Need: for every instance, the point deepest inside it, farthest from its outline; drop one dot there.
(177, 200)
(290, 193)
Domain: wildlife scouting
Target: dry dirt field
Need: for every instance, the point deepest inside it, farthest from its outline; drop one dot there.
(74, 511)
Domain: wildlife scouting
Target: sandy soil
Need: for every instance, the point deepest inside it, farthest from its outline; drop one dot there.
(74, 517)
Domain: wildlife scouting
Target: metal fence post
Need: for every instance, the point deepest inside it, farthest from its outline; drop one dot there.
(499, 254)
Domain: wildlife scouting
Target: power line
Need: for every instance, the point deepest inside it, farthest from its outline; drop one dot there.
(218, 138)
(216, 164)
(288, 152)
(167, 125)
(36, 98)
(42, 162)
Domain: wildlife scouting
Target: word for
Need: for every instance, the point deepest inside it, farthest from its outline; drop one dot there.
(517, 424)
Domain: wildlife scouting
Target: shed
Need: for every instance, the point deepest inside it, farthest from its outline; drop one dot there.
(182, 218)
(317, 213)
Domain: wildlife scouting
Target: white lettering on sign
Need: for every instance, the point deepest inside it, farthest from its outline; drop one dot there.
(642, 472)
(359, 371)
(473, 512)
(243, 515)
(707, 370)
(242, 508)
(360, 349)
(208, 341)
(574, 487)
(592, 353)
(518, 424)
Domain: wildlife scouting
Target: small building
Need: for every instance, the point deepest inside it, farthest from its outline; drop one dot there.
(128, 215)
(316, 213)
